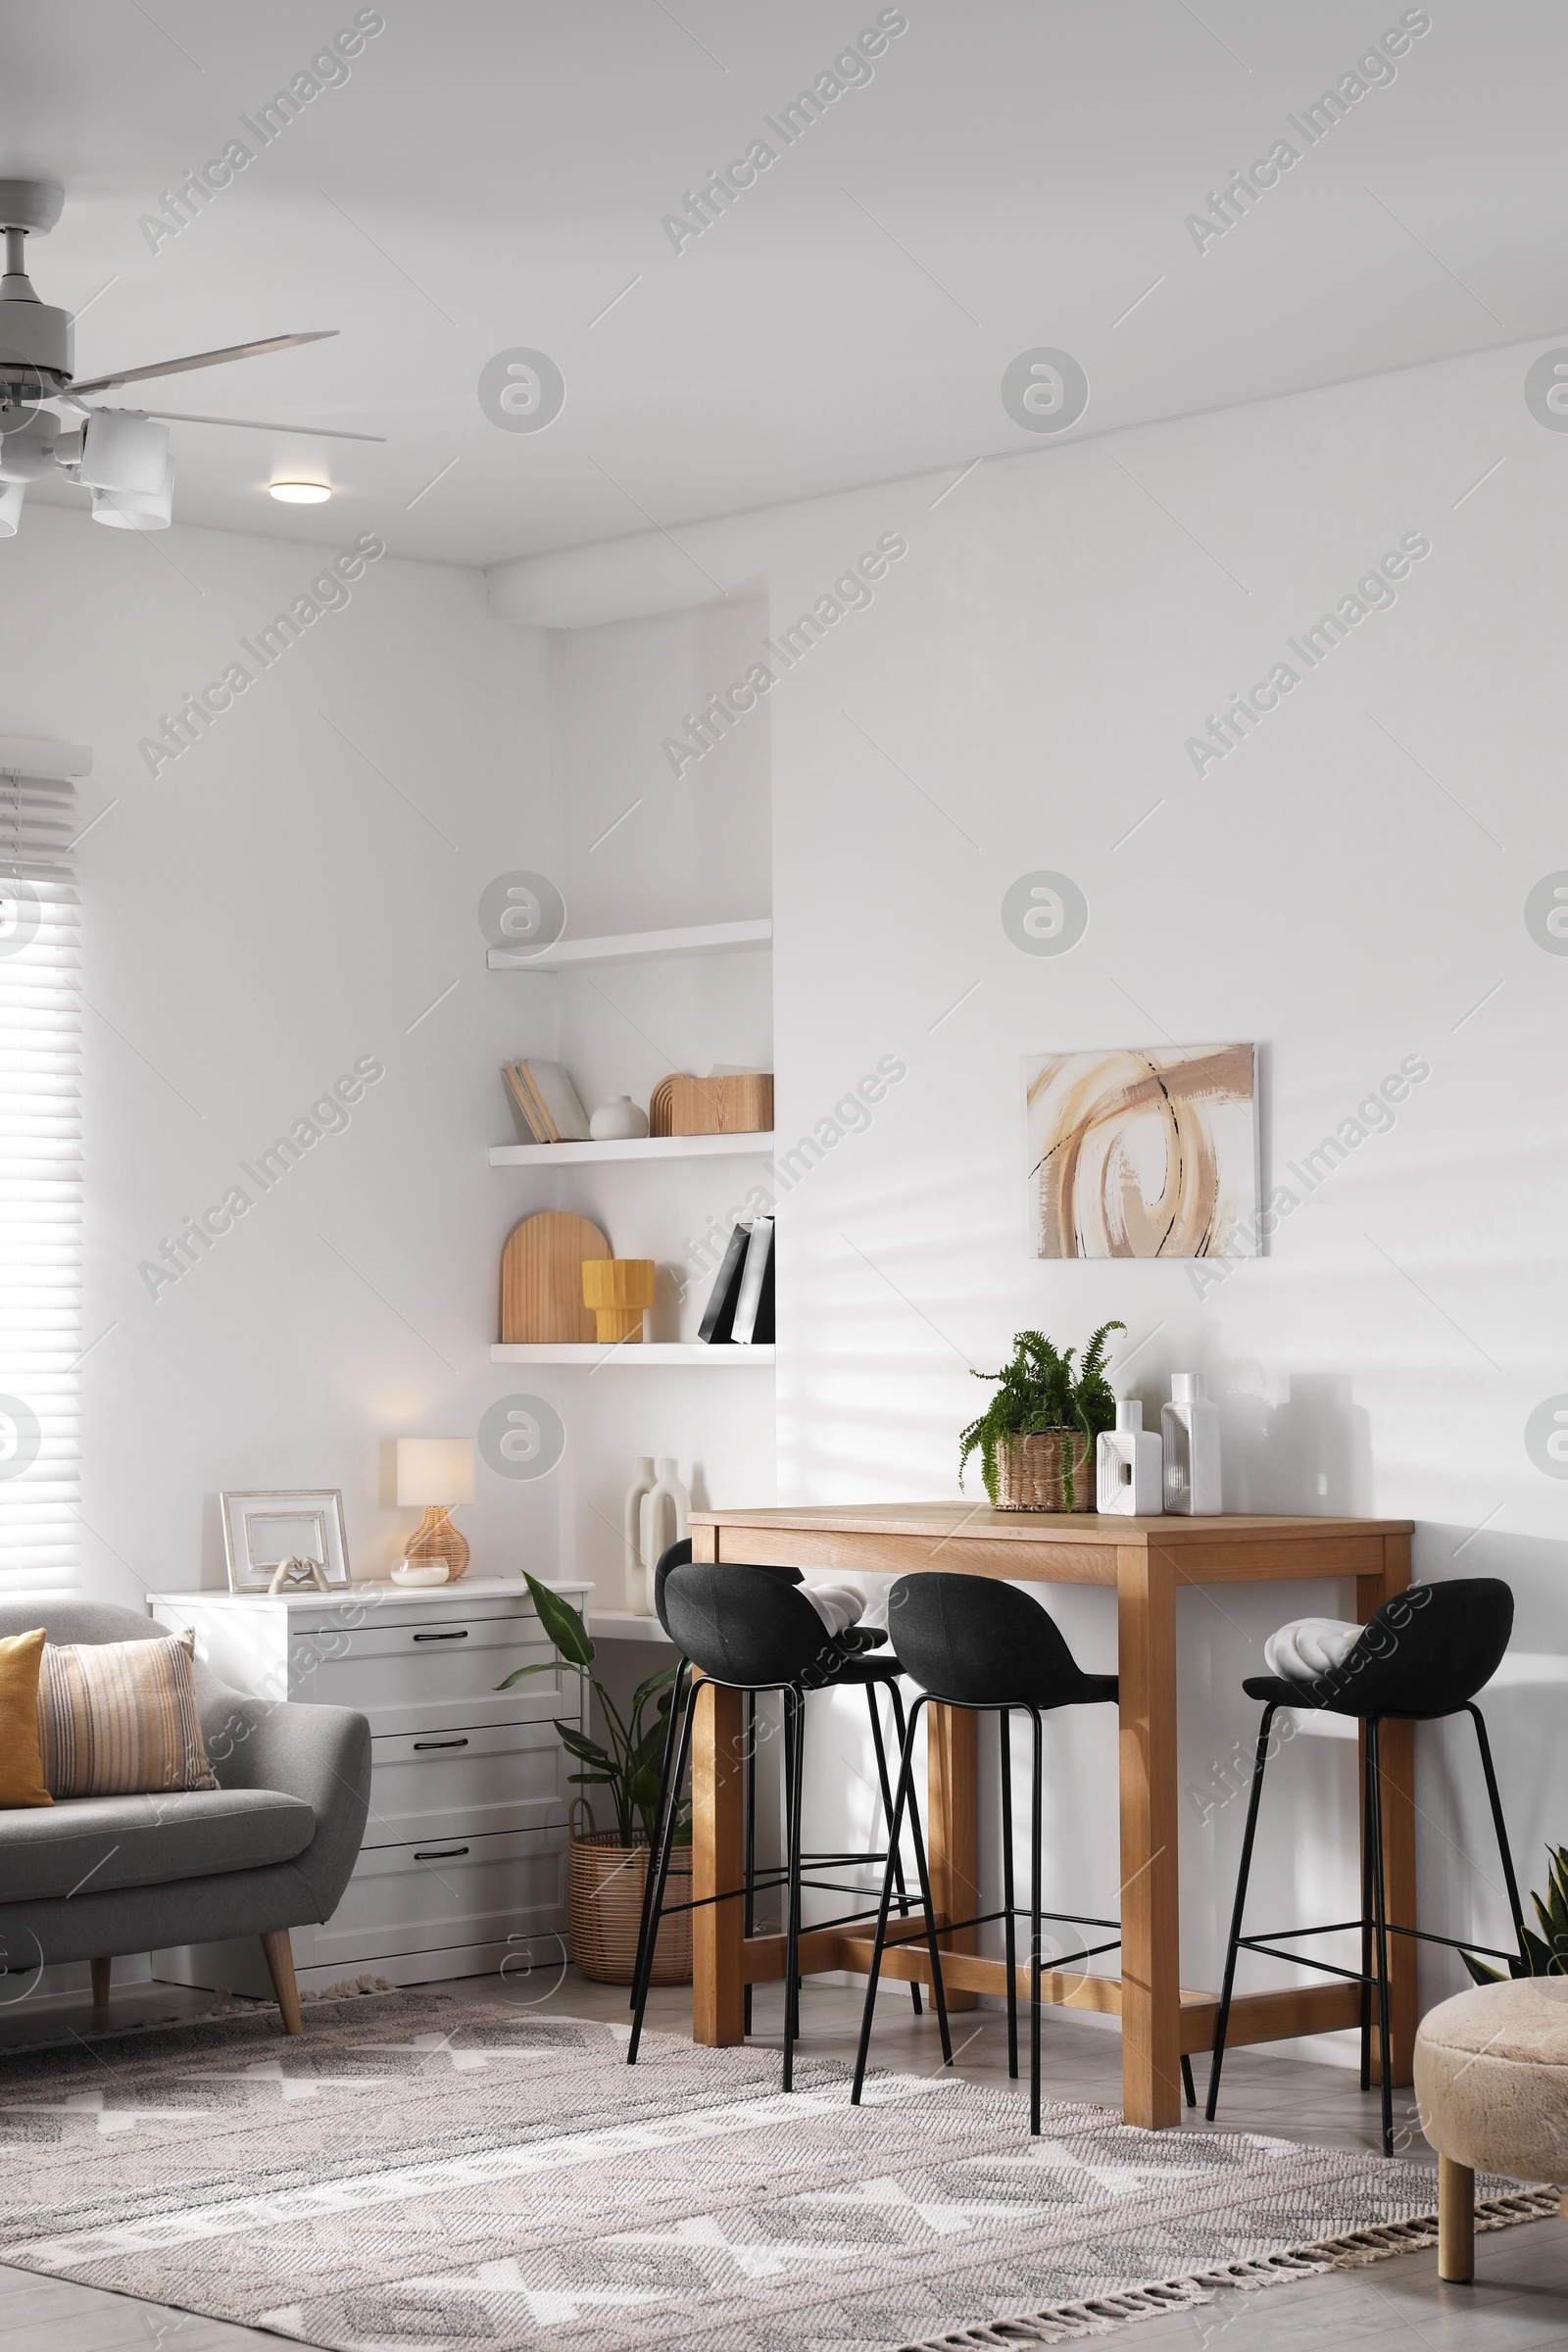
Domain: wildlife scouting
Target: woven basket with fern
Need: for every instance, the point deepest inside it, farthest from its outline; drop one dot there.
(1036, 1438)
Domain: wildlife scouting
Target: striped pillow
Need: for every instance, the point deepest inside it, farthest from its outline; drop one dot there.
(119, 1718)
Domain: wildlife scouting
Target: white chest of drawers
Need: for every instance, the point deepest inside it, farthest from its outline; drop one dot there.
(466, 1844)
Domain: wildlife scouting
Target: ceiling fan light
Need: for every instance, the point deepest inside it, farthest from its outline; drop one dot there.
(126, 510)
(300, 494)
(11, 498)
(124, 452)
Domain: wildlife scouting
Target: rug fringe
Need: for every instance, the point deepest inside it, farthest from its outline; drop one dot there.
(1103, 2315)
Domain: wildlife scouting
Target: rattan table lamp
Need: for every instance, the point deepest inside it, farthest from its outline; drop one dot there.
(437, 1473)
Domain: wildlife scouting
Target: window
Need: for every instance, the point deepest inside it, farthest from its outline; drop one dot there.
(40, 1170)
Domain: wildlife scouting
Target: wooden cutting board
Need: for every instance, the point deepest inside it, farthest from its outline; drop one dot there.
(541, 1279)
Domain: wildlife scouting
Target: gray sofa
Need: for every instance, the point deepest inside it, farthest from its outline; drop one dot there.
(270, 1849)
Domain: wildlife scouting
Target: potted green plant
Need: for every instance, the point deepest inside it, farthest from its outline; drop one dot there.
(1036, 1438)
(1546, 1954)
(608, 1867)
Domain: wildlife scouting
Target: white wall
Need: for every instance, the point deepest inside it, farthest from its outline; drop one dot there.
(273, 907)
(1018, 697)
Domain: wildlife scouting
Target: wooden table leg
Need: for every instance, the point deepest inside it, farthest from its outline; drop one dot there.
(953, 1828)
(1398, 1837)
(718, 1855)
(1151, 1965)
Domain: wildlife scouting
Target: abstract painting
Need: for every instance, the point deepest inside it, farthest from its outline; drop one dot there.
(1142, 1152)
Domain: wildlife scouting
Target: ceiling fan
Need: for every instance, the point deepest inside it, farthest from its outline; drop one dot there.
(121, 454)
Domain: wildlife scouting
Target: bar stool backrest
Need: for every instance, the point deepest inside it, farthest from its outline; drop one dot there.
(1426, 1653)
(983, 1644)
(741, 1625)
(678, 1555)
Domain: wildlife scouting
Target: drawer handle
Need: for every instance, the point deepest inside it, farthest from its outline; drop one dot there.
(460, 1635)
(419, 1743)
(445, 1853)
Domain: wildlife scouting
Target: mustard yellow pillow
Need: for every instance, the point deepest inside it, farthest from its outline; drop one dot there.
(20, 1767)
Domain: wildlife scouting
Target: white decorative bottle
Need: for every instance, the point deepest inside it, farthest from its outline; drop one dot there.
(665, 1520)
(1190, 1428)
(637, 1596)
(1128, 1476)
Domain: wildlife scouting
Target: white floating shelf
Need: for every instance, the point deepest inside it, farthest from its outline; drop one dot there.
(648, 1356)
(638, 947)
(642, 1147)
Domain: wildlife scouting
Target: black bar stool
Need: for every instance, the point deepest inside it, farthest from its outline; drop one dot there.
(747, 1628)
(1424, 1655)
(976, 1642)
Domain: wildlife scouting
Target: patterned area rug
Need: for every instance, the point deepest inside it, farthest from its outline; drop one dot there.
(423, 2174)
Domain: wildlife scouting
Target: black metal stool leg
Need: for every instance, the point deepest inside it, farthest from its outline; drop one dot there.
(939, 1994)
(1222, 2022)
(879, 1940)
(1366, 1920)
(1380, 1928)
(898, 1725)
(1036, 1839)
(1188, 2088)
(887, 1816)
(1008, 1900)
(665, 1846)
(677, 1695)
(750, 1903)
(1498, 1824)
(794, 1713)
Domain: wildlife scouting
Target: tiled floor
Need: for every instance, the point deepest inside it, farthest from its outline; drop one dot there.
(1518, 2303)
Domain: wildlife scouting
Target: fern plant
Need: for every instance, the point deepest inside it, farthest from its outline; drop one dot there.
(1546, 1954)
(1037, 1391)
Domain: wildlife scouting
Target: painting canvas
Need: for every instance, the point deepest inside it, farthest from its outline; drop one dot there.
(1142, 1152)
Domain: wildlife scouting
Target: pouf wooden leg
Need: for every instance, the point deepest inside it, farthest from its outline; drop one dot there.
(100, 1982)
(1456, 2221)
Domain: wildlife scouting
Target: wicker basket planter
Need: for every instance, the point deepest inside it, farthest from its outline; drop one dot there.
(604, 1907)
(1031, 1471)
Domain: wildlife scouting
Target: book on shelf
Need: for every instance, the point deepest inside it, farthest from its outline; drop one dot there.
(754, 1303)
(548, 1101)
(740, 1310)
(718, 1316)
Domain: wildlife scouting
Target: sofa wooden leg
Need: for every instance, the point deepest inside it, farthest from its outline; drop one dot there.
(100, 1982)
(1456, 2221)
(280, 1967)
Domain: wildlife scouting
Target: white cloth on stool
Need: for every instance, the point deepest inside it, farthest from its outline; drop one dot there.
(838, 1605)
(1309, 1646)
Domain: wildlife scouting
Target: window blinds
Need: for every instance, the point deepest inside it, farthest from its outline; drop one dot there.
(40, 1173)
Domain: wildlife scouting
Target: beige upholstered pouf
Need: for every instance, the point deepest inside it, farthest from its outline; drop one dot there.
(1492, 2087)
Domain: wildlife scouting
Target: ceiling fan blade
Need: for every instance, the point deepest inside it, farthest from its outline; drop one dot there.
(259, 424)
(203, 359)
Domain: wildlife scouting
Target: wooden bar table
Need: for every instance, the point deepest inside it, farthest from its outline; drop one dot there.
(1148, 1561)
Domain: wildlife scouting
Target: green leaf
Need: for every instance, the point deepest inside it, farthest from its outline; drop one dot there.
(520, 1673)
(1480, 1972)
(656, 1682)
(588, 1751)
(561, 1623)
(591, 1780)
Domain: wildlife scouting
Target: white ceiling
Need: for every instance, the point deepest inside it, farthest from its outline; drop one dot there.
(1016, 174)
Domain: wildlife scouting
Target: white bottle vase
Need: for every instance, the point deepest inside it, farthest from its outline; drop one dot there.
(666, 1519)
(637, 1597)
(1190, 1428)
(1128, 1480)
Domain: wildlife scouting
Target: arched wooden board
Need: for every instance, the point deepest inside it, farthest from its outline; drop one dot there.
(541, 1279)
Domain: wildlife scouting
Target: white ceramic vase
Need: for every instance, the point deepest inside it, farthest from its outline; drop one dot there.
(666, 1519)
(638, 1599)
(617, 1121)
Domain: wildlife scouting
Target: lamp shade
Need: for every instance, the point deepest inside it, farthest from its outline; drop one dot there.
(435, 1470)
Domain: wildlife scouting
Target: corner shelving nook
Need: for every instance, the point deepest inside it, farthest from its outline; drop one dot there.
(636, 947)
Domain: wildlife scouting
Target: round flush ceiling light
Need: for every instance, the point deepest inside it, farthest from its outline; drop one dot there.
(300, 494)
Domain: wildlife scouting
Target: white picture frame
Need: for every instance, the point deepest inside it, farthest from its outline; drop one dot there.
(262, 1527)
